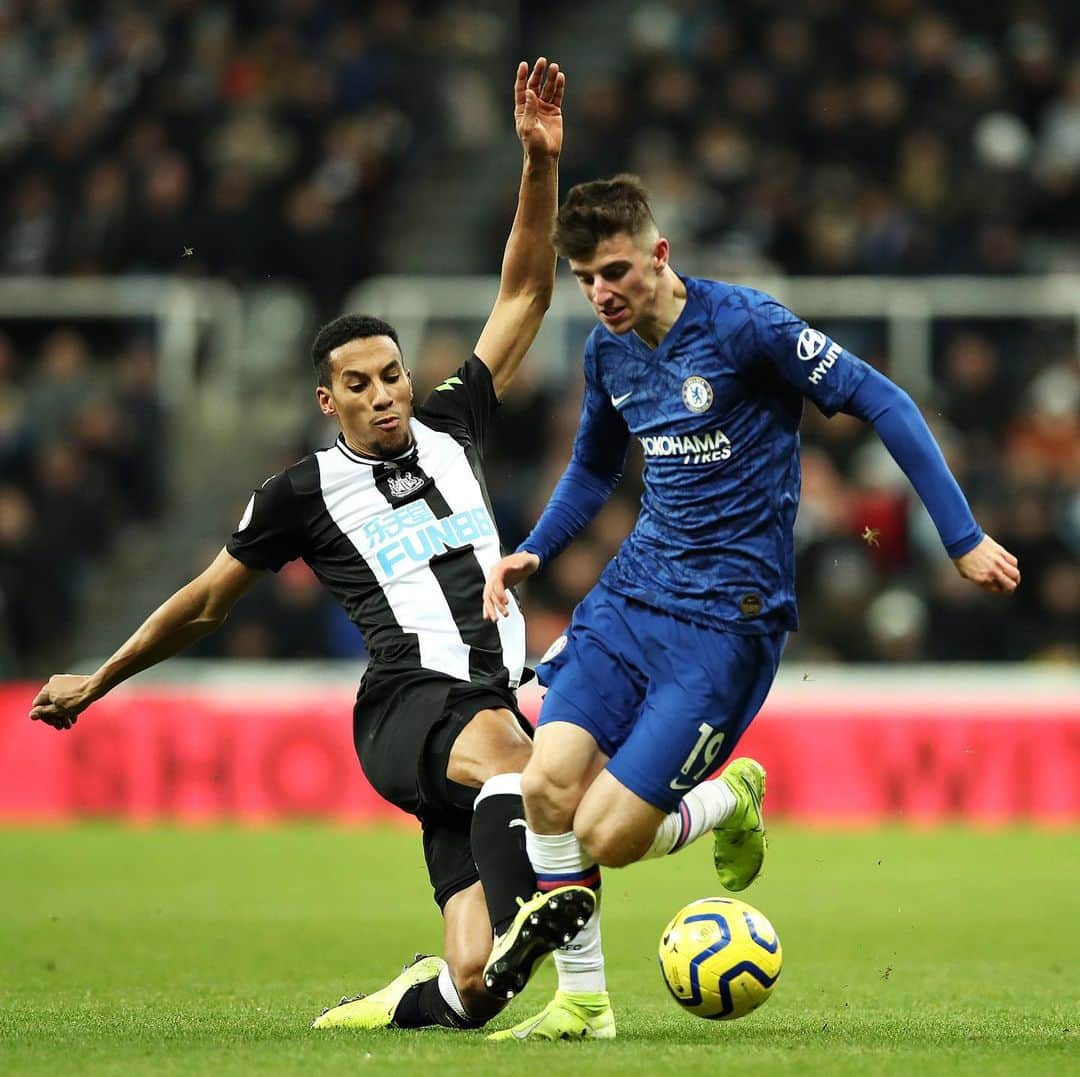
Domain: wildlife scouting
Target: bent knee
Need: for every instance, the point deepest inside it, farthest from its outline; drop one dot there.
(508, 757)
(609, 844)
(536, 784)
(491, 743)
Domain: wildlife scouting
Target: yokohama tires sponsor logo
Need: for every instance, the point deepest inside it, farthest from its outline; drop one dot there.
(714, 442)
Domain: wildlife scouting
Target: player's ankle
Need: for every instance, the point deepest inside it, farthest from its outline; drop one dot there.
(585, 999)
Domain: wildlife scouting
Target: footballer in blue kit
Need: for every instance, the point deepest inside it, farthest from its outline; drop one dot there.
(672, 653)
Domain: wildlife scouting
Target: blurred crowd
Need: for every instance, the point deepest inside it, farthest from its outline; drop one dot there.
(892, 136)
(250, 136)
(83, 442)
(245, 139)
(829, 136)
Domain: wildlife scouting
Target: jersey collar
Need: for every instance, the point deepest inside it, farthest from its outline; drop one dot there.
(403, 459)
(686, 315)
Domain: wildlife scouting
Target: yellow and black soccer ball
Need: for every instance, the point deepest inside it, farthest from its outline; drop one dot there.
(720, 958)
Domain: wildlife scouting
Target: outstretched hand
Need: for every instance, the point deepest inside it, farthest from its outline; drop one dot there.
(61, 701)
(509, 572)
(991, 566)
(538, 107)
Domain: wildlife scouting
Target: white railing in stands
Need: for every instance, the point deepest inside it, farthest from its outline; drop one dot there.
(187, 316)
(907, 306)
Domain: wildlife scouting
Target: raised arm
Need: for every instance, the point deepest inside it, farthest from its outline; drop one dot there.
(528, 267)
(192, 612)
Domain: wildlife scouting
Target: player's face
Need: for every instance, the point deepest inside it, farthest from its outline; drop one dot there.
(370, 394)
(621, 278)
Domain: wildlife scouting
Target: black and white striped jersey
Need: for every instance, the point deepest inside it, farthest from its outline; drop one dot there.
(405, 544)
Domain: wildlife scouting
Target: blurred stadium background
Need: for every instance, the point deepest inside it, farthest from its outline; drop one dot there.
(189, 188)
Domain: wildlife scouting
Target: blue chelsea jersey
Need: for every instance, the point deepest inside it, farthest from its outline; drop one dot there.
(716, 409)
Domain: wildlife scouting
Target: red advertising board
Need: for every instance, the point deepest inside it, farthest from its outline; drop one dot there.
(837, 750)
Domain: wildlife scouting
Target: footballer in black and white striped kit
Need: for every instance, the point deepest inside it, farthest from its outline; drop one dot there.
(395, 521)
(403, 543)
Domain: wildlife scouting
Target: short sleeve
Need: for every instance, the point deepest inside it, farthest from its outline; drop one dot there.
(268, 534)
(804, 357)
(462, 405)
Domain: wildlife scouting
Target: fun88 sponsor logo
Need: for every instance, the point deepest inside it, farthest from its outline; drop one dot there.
(421, 536)
(693, 448)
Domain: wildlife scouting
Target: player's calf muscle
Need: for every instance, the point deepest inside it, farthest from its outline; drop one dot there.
(612, 844)
(467, 943)
(614, 824)
(549, 806)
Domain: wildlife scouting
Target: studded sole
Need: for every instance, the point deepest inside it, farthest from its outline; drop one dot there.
(550, 926)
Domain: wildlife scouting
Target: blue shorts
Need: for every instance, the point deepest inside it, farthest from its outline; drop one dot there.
(666, 700)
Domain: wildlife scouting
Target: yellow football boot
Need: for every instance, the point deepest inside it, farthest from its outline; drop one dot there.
(739, 841)
(570, 1015)
(377, 1009)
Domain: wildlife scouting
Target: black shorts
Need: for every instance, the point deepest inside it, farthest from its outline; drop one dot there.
(405, 748)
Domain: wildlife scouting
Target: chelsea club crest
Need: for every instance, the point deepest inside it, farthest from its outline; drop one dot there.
(697, 394)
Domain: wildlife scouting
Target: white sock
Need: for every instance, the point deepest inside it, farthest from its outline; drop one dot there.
(559, 860)
(705, 806)
(450, 994)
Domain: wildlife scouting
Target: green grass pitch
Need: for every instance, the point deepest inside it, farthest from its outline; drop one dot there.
(210, 950)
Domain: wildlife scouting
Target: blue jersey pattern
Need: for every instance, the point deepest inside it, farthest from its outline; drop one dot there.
(716, 408)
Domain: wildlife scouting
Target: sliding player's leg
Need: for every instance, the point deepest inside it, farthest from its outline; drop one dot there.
(592, 697)
(466, 790)
(486, 747)
(434, 990)
(456, 998)
(564, 903)
(473, 763)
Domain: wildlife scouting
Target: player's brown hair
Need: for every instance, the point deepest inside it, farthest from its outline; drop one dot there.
(598, 210)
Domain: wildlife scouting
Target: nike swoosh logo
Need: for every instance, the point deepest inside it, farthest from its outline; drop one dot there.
(518, 822)
(523, 1034)
(680, 786)
(618, 401)
(754, 797)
